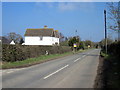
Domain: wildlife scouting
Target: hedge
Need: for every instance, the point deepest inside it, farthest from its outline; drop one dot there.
(113, 49)
(11, 53)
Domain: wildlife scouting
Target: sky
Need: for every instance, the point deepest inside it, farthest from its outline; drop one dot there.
(0, 18)
(67, 17)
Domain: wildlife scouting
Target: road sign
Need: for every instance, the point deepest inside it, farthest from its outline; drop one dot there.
(75, 45)
(88, 46)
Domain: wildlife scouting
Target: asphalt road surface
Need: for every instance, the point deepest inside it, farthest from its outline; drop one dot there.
(75, 71)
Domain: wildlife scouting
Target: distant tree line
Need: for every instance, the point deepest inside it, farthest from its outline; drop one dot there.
(80, 44)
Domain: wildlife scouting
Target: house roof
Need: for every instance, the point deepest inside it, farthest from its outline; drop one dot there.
(39, 32)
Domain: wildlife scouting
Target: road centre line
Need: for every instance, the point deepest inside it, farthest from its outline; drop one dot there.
(77, 59)
(56, 71)
(84, 56)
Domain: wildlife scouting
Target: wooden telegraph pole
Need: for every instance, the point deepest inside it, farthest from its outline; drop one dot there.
(105, 31)
(119, 21)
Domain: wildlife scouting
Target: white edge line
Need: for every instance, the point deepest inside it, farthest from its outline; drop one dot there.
(10, 71)
(55, 72)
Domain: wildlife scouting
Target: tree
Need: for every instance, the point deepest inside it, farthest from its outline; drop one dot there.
(73, 40)
(88, 42)
(13, 36)
(61, 37)
(66, 39)
(4, 40)
(102, 42)
(65, 42)
(114, 17)
(21, 41)
(81, 45)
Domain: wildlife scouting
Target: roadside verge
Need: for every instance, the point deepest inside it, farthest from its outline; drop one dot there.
(34, 61)
(108, 73)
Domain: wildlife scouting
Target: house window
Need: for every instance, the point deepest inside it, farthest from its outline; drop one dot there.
(41, 38)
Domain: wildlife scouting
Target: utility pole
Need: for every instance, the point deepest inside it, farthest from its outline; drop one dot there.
(119, 21)
(76, 33)
(105, 31)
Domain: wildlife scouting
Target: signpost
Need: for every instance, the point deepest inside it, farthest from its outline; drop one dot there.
(75, 47)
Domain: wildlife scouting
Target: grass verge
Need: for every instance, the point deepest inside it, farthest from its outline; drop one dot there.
(112, 71)
(33, 61)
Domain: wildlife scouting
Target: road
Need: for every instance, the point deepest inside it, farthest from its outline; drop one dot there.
(75, 71)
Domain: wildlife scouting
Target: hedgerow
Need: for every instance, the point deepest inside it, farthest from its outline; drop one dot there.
(11, 53)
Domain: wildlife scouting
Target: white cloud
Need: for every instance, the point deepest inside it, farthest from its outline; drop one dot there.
(48, 4)
(67, 6)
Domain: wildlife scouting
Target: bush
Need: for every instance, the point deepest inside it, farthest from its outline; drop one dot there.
(113, 49)
(11, 53)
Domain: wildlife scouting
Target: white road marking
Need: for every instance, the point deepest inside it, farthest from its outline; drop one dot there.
(55, 72)
(10, 71)
(0, 73)
(77, 59)
(19, 69)
(84, 56)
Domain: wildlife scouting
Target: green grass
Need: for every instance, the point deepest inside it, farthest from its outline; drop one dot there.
(113, 73)
(32, 61)
(103, 54)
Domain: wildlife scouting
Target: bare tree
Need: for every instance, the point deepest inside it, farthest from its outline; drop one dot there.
(15, 37)
(61, 36)
(114, 17)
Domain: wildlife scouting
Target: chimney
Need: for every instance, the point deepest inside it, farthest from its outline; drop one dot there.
(56, 30)
(45, 26)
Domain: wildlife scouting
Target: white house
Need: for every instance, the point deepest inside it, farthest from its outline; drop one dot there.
(42, 36)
